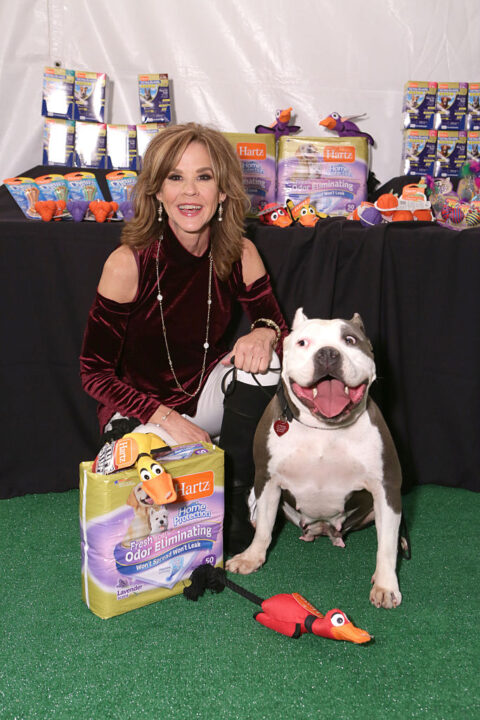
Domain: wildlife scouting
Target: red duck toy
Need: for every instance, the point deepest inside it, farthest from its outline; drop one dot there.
(288, 613)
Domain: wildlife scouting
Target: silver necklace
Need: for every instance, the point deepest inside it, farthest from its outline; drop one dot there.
(209, 305)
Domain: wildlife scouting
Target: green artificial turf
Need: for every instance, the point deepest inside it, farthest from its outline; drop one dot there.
(178, 659)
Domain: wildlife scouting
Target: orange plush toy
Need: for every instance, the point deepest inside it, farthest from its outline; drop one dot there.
(50, 209)
(103, 210)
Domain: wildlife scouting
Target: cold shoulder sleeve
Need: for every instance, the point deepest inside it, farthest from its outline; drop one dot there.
(259, 301)
(99, 363)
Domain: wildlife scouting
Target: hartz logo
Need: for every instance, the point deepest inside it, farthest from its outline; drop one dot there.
(331, 153)
(252, 151)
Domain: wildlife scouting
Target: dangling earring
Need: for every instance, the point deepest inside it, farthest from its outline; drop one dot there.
(160, 212)
(220, 212)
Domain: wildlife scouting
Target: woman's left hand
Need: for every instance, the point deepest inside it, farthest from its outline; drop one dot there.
(253, 352)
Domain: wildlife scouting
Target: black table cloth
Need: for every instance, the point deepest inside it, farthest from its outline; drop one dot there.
(416, 286)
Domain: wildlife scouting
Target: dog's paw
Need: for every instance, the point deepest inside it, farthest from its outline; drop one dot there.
(244, 563)
(385, 597)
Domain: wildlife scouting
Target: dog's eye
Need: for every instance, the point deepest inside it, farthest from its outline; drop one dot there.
(350, 340)
(337, 619)
(145, 475)
(156, 469)
(303, 342)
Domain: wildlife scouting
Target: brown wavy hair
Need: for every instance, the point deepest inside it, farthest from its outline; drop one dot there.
(161, 156)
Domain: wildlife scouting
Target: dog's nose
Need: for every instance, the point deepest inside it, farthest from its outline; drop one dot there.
(328, 357)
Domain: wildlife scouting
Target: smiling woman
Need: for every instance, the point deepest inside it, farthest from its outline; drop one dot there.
(155, 348)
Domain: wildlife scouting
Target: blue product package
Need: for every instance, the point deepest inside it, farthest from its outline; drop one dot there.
(154, 97)
(57, 93)
(451, 153)
(419, 151)
(121, 184)
(451, 110)
(89, 95)
(419, 104)
(58, 142)
(145, 133)
(90, 145)
(473, 107)
(121, 147)
(473, 145)
(26, 193)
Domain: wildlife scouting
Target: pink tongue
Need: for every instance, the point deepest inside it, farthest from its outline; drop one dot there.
(331, 398)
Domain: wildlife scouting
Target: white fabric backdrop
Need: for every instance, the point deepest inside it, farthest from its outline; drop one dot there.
(232, 63)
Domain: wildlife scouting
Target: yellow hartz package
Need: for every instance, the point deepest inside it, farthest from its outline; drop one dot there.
(257, 158)
(135, 552)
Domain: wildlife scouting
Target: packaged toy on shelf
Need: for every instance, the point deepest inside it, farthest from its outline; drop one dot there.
(419, 102)
(145, 133)
(451, 106)
(90, 145)
(90, 91)
(57, 93)
(456, 209)
(473, 106)
(451, 153)
(121, 184)
(121, 147)
(419, 151)
(257, 158)
(58, 142)
(136, 551)
(332, 172)
(154, 97)
(26, 193)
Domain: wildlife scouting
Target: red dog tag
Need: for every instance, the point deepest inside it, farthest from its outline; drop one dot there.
(280, 427)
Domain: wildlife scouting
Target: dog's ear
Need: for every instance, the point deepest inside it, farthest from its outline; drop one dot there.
(132, 500)
(357, 320)
(299, 318)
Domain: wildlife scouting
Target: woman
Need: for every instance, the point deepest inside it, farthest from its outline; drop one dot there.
(156, 343)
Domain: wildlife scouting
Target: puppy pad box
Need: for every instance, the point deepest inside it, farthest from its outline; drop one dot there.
(135, 552)
(332, 172)
(257, 158)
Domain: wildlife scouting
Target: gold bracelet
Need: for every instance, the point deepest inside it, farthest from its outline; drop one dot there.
(269, 323)
(166, 415)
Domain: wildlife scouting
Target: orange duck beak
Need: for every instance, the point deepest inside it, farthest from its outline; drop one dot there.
(328, 122)
(351, 633)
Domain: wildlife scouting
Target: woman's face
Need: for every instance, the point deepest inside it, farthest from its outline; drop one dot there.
(190, 194)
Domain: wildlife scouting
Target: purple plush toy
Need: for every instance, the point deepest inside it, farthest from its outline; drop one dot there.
(280, 126)
(344, 126)
(77, 209)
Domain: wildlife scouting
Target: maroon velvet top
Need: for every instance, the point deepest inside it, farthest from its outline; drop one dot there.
(123, 362)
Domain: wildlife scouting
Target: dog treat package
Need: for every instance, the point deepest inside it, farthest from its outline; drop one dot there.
(331, 171)
(57, 95)
(451, 153)
(451, 110)
(135, 552)
(90, 90)
(26, 193)
(419, 101)
(154, 97)
(257, 158)
(419, 152)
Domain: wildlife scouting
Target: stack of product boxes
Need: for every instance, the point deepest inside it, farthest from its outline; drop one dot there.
(75, 131)
(442, 127)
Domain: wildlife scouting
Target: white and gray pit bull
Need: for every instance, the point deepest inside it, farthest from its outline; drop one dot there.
(322, 448)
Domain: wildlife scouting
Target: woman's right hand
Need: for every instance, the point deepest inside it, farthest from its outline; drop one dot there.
(178, 427)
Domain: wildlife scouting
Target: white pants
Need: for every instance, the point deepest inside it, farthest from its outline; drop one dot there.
(209, 412)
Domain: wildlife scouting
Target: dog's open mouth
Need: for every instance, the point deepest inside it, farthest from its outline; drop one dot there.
(330, 397)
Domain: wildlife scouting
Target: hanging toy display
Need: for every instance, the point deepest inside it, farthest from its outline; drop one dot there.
(280, 126)
(289, 614)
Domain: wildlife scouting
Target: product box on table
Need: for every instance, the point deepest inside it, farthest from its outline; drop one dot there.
(419, 152)
(135, 553)
(419, 104)
(331, 171)
(451, 153)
